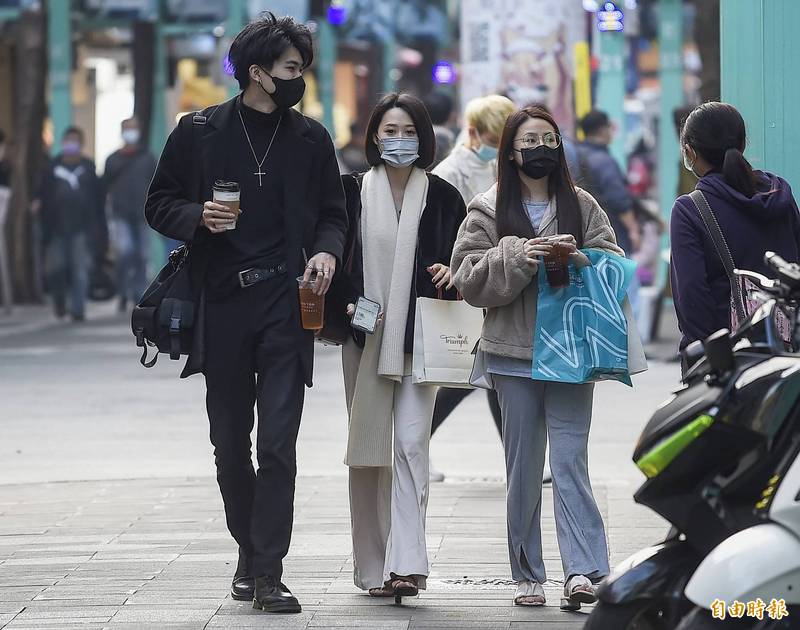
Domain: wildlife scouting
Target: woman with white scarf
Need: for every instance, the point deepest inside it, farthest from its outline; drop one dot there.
(403, 225)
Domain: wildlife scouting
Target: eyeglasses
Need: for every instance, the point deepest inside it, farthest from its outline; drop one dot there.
(532, 140)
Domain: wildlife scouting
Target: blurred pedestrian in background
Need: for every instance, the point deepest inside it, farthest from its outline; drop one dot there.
(126, 178)
(603, 178)
(440, 109)
(755, 211)
(73, 223)
(352, 154)
(651, 228)
(472, 168)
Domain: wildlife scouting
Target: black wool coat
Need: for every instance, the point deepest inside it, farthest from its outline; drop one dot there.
(314, 203)
(438, 227)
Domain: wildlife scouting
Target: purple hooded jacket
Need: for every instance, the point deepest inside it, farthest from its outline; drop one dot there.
(768, 221)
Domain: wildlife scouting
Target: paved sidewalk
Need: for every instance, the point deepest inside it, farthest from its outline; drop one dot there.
(156, 554)
(110, 515)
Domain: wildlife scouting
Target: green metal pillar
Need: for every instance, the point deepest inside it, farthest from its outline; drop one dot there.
(236, 21)
(327, 63)
(158, 116)
(759, 55)
(158, 121)
(611, 87)
(59, 42)
(670, 41)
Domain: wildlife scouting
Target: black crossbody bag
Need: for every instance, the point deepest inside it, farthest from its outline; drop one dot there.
(165, 316)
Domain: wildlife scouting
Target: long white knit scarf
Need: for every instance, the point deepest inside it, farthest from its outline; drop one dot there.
(389, 250)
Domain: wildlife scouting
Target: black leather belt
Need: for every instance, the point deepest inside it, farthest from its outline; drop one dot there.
(249, 277)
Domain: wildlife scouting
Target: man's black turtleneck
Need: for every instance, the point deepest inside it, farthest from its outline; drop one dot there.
(259, 238)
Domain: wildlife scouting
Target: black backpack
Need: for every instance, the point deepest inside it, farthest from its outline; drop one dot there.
(165, 316)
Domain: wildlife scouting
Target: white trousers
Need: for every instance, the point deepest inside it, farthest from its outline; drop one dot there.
(388, 505)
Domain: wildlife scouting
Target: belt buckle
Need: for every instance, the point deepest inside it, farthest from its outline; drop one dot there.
(242, 282)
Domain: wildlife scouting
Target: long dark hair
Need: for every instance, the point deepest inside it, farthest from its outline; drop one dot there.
(716, 132)
(512, 220)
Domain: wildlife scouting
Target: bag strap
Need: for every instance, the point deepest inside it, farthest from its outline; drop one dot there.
(723, 251)
(175, 330)
(199, 130)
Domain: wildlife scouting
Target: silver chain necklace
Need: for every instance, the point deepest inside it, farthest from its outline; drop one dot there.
(259, 172)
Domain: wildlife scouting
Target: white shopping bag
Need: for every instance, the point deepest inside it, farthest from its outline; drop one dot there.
(445, 333)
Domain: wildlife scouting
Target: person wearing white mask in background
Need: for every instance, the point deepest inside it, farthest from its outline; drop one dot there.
(126, 178)
(403, 224)
(472, 168)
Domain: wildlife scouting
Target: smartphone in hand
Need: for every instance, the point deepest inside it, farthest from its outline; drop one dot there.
(366, 316)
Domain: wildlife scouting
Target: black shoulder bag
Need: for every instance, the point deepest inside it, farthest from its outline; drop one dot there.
(165, 316)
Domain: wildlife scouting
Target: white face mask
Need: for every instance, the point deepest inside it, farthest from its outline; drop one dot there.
(688, 164)
(399, 152)
(131, 136)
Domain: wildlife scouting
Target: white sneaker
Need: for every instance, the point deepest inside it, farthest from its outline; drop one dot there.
(529, 594)
(435, 475)
(578, 590)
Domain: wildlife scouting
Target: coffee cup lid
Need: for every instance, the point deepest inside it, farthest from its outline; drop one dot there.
(221, 184)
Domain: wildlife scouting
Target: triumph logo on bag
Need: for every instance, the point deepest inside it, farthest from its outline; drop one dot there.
(459, 341)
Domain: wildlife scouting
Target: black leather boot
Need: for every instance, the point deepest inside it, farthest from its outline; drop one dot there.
(243, 585)
(273, 596)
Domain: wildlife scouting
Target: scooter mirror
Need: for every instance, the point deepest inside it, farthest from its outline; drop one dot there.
(719, 352)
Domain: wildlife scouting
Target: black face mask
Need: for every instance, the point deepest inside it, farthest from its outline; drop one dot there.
(288, 92)
(539, 162)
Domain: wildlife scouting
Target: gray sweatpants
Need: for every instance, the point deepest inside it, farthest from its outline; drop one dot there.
(532, 410)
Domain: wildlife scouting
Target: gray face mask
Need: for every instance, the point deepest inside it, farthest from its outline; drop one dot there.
(399, 152)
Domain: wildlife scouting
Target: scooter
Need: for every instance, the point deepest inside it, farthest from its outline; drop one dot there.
(708, 453)
(752, 579)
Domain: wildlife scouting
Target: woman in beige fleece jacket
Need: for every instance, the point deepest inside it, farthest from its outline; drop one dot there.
(495, 263)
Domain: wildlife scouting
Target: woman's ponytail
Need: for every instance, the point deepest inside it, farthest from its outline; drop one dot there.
(716, 131)
(738, 173)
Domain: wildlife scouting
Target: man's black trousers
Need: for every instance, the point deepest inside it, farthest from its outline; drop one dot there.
(252, 360)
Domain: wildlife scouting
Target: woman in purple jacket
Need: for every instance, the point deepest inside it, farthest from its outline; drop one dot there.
(755, 210)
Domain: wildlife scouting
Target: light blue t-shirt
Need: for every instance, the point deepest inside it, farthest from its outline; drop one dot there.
(536, 211)
(507, 366)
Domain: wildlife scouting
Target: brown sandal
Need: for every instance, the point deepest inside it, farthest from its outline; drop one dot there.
(381, 591)
(404, 586)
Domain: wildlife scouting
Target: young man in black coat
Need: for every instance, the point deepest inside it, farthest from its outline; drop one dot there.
(249, 341)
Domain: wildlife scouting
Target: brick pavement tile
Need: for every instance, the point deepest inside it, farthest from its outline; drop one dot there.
(162, 615)
(323, 621)
(261, 620)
